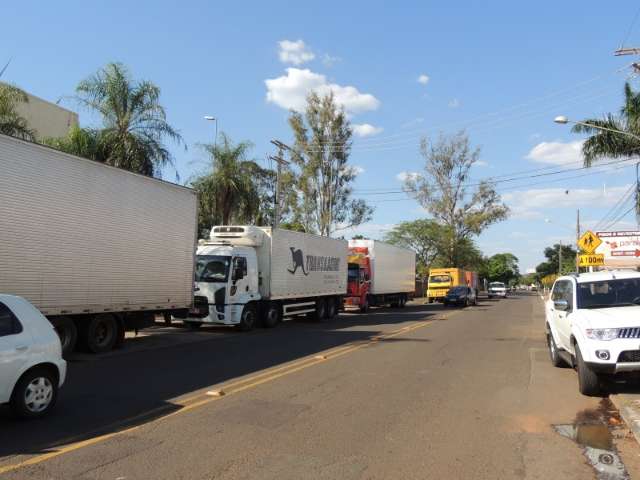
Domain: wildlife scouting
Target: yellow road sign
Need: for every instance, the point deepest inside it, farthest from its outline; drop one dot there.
(592, 260)
(589, 241)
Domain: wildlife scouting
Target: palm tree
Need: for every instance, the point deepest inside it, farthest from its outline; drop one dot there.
(135, 123)
(230, 191)
(83, 142)
(11, 123)
(608, 143)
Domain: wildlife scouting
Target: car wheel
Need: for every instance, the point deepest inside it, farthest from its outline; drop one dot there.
(556, 360)
(466, 303)
(588, 380)
(247, 319)
(35, 394)
(193, 325)
(271, 316)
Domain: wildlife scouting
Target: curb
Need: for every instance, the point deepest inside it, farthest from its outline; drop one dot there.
(629, 408)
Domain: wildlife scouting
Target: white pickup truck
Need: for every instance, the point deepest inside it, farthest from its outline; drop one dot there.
(593, 324)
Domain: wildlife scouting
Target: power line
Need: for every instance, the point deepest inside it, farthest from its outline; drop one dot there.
(614, 209)
(633, 23)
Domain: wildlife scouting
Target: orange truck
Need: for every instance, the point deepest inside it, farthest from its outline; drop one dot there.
(442, 279)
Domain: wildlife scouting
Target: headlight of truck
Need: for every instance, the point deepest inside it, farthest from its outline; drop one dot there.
(602, 333)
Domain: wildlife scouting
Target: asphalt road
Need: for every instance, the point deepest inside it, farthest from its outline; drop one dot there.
(419, 393)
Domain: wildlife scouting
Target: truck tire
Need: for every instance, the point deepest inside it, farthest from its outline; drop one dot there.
(430, 300)
(555, 358)
(248, 318)
(272, 315)
(320, 313)
(403, 301)
(193, 325)
(332, 308)
(364, 308)
(68, 332)
(588, 380)
(101, 333)
(35, 394)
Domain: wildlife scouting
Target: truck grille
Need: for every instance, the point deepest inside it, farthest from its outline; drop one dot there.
(629, 356)
(633, 332)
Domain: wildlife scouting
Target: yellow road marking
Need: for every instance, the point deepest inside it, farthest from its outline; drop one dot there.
(229, 389)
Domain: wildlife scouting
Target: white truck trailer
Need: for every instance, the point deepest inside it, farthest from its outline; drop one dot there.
(259, 274)
(95, 248)
(379, 274)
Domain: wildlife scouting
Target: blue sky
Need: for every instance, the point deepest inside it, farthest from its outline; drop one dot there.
(498, 69)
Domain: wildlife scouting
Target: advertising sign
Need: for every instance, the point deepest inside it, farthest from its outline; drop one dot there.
(620, 249)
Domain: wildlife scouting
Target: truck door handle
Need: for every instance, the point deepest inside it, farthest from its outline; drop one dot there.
(21, 348)
(246, 289)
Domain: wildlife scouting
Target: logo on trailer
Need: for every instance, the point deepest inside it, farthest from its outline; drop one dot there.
(312, 263)
(298, 261)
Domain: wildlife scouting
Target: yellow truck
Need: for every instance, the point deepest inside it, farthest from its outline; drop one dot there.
(442, 279)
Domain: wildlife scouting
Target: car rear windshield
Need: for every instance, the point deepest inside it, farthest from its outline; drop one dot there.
(439, 279)
(212, 268)
(609, 293)
(458, 290)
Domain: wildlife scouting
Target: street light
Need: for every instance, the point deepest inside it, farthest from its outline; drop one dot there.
(213, 119)
(563, 120)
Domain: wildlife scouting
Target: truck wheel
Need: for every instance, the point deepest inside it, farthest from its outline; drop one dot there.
(403, 301)
(68, 333)
(35, 393)
(247, 319)
(167, 319)
(320, 313)
(556, 360)
(364, 308)
(271, 316)
(430, 300)
(588, 380)
(193, 325)
(332, 308)
(102, 333)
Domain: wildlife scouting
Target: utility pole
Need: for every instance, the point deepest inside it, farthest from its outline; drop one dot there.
(577, 239)
(280, 161)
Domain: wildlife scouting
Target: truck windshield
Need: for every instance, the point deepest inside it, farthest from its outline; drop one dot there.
(496, 285)
(610, 293)
(439, 279)
(353, 272)
(212, 268)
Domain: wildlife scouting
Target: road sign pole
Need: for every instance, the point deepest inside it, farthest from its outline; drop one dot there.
(578, 240)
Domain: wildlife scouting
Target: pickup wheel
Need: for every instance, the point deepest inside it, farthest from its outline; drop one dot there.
(68, 333)
(272, 315)
(101, 333)
(556, 360)
(588, 380)
(35, 393)
(247, 319)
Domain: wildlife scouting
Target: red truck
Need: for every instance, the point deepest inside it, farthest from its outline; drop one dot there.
(379, 274)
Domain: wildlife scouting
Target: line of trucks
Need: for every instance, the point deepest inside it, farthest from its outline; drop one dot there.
(100, 250)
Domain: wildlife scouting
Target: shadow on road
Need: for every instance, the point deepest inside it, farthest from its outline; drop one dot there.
(107, 394)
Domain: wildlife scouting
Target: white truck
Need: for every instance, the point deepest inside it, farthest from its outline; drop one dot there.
(259, 274)
(96, 249)
(379, 274)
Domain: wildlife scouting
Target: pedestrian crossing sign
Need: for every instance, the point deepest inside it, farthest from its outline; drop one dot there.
(589, 241)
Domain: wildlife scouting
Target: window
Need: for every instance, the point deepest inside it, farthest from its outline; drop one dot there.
(439, 279)
(9, 324)
(609, 293)
(240, 264)
(563, 290)
(212, 268)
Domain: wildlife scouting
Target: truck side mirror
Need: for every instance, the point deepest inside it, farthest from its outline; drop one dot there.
(561, 304)
(237, 273)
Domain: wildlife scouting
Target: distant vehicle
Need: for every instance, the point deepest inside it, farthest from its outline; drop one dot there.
(497, 289)
(253, 275)
(97, 249)
(593, 325)
(443, 279)
(461, 296)
(31, 364)
(379, 274)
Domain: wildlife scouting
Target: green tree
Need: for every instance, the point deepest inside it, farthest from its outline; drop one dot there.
(134, 122)
(503, 267)
(322, 146)
(550, 266)
(83, 142)
(425, 237)
(443, 190)
(234, 189)
(11, 122)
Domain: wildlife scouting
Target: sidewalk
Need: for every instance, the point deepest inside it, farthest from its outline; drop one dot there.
(628, 404)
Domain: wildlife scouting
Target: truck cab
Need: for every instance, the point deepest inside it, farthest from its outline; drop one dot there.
(359, 279)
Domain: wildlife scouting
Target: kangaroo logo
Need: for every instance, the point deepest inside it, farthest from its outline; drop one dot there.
(298, 261)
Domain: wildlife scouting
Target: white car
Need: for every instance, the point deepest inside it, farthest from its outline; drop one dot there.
(497, 289)
(31, 364)
(593, 324)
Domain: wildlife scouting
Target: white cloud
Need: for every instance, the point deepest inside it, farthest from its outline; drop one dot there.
(402, 176)
(423, 79)
(295, 53)
(455, 103)
(481, 163)
(366, 130)
(290, 91)
(557, 153)
(330, 60)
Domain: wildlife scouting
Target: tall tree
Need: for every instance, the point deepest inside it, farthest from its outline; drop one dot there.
(424, 236)
(444, 192)
(11, 122)
(550, 266)
(503, 267)
(134, 122)
(322, 147)
(83, 142)
(234, 188)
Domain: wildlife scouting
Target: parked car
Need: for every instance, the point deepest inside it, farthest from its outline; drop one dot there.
(31, 364)
(593, 325)
(462, 296)
(497, 289)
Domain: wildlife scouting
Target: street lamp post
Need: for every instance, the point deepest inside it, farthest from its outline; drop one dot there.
(209, 118)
